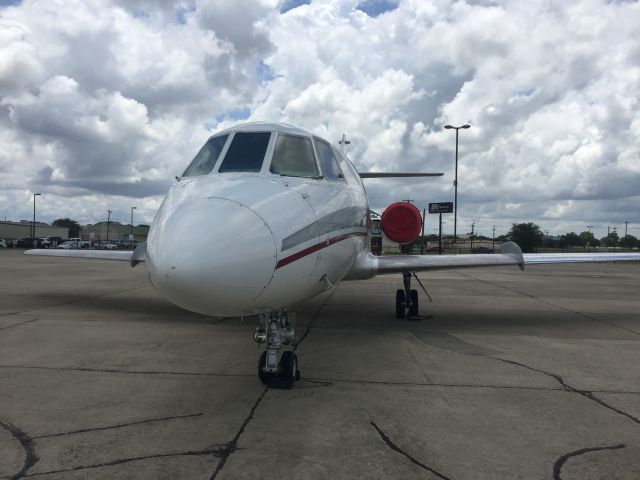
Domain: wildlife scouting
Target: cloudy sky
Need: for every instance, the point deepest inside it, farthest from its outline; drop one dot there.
(102, 102)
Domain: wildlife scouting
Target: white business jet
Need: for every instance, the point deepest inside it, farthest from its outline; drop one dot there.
(275, 215)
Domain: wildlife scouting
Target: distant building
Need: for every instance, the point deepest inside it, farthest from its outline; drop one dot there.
(115, 230)
(22, 229)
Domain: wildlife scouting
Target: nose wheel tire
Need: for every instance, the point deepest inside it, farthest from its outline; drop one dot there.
(287, 372)
(262, 364)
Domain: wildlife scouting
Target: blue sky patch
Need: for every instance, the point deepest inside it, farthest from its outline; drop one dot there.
(373, 8)
(239, 113)
(291, 4)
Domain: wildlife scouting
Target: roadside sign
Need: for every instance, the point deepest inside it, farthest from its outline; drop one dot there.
(441, 207)
(130, 237)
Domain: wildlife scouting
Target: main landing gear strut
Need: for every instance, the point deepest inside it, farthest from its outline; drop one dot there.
(274, 331)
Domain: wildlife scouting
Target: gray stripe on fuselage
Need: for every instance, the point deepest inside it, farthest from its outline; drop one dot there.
(347, 217)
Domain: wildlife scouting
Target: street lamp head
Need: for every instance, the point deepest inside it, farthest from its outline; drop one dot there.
(448, 127)
(466, 125)
(36, 194)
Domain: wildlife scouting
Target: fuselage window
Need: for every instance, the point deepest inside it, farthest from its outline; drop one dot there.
(206, 158)
(246, 152)
(330, 168)
(293, 157)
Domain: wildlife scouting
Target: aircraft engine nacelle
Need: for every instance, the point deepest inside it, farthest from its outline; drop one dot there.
(401, 222)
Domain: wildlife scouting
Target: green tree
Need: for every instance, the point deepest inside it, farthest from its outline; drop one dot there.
(527, 235)
(570, 240)
(72, 225)
(610, 240)
(587, 238)
(629, 241)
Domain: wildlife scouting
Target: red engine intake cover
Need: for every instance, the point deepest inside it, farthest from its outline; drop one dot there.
(401, 222)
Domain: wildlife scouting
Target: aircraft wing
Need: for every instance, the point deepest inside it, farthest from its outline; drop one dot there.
(397, 175)
(510, 254)
(134, 258)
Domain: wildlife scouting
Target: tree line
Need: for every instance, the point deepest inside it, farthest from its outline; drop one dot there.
(529, 236)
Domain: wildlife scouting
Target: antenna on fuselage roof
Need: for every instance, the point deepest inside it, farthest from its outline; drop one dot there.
(343, 144)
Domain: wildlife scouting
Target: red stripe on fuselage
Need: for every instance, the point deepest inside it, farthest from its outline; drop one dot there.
(316, 247)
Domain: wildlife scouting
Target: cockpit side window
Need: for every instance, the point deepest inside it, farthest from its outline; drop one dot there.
(330, 168)
(293, 157)
(206, 158)
(246, 152)
(348, 168)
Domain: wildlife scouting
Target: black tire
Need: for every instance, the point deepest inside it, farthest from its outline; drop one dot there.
(413, 309)
(264, 376)
(289, 365)
(400, 311)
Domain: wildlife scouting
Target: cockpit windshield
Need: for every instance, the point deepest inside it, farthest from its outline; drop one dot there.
(206, 158)
(246, 152)
(294, 157)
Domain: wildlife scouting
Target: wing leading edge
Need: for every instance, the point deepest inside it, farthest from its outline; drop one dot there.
(368, 266)
(134, 258)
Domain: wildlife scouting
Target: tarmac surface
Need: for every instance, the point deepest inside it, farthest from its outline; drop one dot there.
(510, 375)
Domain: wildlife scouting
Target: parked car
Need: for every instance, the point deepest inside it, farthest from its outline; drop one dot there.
(27, 242)
(482, 250)
(3, 243)
(69, 244)
(108, 245)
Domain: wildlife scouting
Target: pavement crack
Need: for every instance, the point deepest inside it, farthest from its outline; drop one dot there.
(28, 446)
(315, 316)
(121, 425)
(557, 466)
(331, 381)
(128, 372)
(206, 451)
(75, 300)
(385, 438)
(547, 302)
(232, 446)
(18, 324)
(565, 386)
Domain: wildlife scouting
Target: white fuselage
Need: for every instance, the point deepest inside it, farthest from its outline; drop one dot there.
(240, 243)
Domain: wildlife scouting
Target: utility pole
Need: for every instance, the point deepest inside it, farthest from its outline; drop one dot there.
(424, 220)
(589, 227)
(108, 222)
(626, 224)
(472, 227)
(33, 236)
(131, 230)
(493, 238)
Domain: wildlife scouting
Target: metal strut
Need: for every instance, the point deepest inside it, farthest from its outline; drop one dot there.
(406, 280)
(274, 330)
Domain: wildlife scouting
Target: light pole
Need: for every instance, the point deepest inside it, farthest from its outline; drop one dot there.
(33, 225)
(455, 183)
(108, 222)
(131, 231)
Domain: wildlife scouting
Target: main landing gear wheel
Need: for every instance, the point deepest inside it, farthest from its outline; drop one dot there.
(413, 308)
(400, 302)
(407, 299)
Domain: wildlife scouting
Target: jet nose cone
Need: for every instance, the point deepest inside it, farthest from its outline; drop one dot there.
(211, 255)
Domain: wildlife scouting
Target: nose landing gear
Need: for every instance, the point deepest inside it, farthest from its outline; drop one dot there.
(274, 331)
